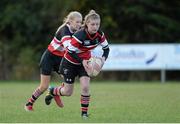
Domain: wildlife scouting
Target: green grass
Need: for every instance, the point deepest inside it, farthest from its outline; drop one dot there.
(110, 102)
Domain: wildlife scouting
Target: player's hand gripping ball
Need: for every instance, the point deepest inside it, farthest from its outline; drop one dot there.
(95, 64)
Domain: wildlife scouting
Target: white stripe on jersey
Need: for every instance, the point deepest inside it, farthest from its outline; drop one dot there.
(91, 46)
(104, 43)
(56, 44)
(66, 43)
(75, 49)
(67, 36)
(56, 40)
(77, 39)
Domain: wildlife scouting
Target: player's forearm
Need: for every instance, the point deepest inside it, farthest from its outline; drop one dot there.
(106, 52)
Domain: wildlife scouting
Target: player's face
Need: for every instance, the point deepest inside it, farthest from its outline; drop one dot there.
(93, 25)
(76, 24)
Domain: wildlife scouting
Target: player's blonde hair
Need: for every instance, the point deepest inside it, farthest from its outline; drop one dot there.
(71, 16)
(91, 15)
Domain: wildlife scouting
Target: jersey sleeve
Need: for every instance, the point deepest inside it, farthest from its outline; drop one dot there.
(63, 35)
(105, 46)
(103, 41)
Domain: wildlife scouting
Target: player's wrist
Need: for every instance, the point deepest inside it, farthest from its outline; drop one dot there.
(103, 59)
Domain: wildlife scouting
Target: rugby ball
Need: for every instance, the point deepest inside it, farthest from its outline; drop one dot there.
(96, 65)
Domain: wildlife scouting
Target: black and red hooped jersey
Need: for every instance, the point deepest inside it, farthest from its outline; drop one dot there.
(61, 40)
(82, 43)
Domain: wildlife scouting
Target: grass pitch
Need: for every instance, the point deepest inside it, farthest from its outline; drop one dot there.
(111, 102)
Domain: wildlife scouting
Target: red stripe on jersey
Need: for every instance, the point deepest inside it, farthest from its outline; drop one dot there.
(55, 52)
(103, 38)
(70, 59)
(84, 48)
(58, 44)
(78, 45)
(75, 43)
(84, 56)
(65, 38)
(56, 41)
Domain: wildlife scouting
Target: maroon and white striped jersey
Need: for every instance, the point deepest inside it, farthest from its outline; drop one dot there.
(82, 43)
(61, 40)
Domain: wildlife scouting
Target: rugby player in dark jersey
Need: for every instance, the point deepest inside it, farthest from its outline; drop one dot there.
(75, 61)
(51, 58)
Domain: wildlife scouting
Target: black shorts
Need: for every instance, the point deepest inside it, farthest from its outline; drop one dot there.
(70, 71)
(49, 62)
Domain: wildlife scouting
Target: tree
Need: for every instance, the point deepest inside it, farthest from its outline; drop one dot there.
(32, 24)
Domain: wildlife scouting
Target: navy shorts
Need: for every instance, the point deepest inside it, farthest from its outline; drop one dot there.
(70, 71)
(49, 62)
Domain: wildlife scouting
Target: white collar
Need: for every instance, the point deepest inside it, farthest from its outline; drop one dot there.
(69, 28)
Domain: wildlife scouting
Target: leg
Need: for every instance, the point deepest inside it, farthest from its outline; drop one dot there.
(46, 67)
(45, 79)
(85, 95)
(56, 92)
(69, 73)
(67, 90)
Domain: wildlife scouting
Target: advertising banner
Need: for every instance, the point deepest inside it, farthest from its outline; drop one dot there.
(141, 57)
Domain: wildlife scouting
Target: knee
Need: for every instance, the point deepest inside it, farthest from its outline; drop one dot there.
(68, 92)
(43, 88)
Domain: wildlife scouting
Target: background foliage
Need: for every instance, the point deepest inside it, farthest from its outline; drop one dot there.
(27, 27)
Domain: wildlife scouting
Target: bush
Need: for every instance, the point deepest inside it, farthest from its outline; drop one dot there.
(26, 66)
